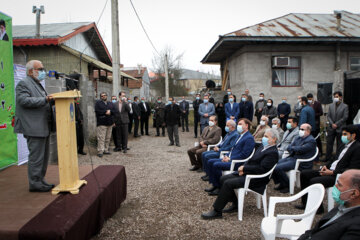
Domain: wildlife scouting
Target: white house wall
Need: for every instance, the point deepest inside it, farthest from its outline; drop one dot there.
(78, 42)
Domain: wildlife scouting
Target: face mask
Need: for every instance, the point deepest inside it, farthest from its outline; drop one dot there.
(336, 195)
(206, 101)
(299, 100)
(336, 100)
(159, 101)
(129, 101)
(41, 75)
(114, 101)
(142, 101)
(288, 126)
(211, 123)
(265, 141)
(344, 139)
(243, 99)
(261, 98)
(231, 100)
(283, 101)
(228, 93)
(123, 99)
(227, 129)
(239, 128)
(274, 126)
(197, 98)
(301, 133)
(169, 102)
(310, 101)
(269, 104)
(262, 123)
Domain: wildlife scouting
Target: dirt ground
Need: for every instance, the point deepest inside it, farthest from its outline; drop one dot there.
(165, 200)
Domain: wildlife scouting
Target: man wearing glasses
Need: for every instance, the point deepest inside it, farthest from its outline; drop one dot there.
(104, 124)
(33, 119)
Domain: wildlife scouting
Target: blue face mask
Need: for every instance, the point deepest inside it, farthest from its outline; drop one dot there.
(129, 101)
(41, 76)
(288, 126)
(197, 98)
(243, 99)
(284, 101)
(227, 129)
(169, 102)
(231, 100)
(228, 93)
(206, 101)
(239, 129)
(344, 139)
(265, 141)
(336, 195)
(142, 101)
(114, 101)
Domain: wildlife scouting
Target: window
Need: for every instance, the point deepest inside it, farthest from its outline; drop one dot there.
(355, 63)
(286, 75)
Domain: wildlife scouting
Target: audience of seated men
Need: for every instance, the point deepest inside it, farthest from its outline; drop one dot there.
(226, 144)
(276, 124)
(260, 130)
(303, 147)
(341, 222)
(289, 135)
(242, 149)
(348, 158)
(210, 135)
(264, 159)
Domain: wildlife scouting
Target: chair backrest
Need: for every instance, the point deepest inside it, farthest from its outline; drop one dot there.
(233, 162)
(315, 197)
(211, 146)
(298, 161)
(267, 174)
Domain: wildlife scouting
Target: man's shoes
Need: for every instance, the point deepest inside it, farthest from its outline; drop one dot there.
(163, 134)
(215, 192)
(82, 153)
(42, 188)
(187, 130)
(171, 144)
(147, 134)
(210, 189)
(47, 184)
(183, 130)
(157, 135)
(285, 190)
(107, 153)
(194, 168)
(125, 151)
(211, 215)
(231, 209)
(178, 145)
(320, 210)
(205, 178)
(99, 154)
(117, 149)
(136, 136)
(199, 170)
(195, 136)
(127, 148)
(300, 206)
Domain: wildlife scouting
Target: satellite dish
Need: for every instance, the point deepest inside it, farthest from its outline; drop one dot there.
(210, 84)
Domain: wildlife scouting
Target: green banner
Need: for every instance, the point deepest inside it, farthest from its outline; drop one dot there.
(8, 142)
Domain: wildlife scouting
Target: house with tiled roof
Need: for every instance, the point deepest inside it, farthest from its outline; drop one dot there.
(140, 88)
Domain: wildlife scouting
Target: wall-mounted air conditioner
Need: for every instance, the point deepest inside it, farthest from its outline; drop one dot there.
(281, 61)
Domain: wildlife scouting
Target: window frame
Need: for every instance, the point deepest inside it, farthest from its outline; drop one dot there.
(285, 68)
(358, 57)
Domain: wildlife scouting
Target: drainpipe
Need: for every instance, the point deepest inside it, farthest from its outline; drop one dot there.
(25, 55)
(337, 57)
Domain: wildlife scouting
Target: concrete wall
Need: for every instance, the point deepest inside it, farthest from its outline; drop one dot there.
(250, 67)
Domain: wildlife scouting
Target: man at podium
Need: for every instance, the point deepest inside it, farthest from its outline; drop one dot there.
(33, 119)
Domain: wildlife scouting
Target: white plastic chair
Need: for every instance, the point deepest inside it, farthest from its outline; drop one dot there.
(294, 175)
(331, 202)
(212, 146)
(233, 162)
(292, 226)
(240, 193)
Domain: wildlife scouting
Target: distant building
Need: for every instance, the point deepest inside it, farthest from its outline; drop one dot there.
(194, 81)
(140, 88)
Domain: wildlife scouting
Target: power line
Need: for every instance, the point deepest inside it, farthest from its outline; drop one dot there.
(137, 15)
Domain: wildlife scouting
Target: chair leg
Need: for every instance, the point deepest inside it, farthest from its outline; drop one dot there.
(264, 199)
(298, 179)
(330, 199)
(258, 201)
(292, 182)
(241, 195)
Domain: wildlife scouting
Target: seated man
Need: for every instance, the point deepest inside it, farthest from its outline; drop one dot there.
(242, 149)
(264, 159)
(303, 146)
(276, 125)
(341, 222)
(290, 134)
(260, 130)
(226, 144)
(349, 158)
(209, 136)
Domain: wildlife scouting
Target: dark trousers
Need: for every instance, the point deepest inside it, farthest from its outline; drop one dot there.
(144, 121)
(258, 118)
(114, 136)
(228, 183)
(195, 155)
(185, 119)
(173, 132)
(330, 139)
(310, 177)
(79, 137)
(318, 141)
(37, 160)
(158, 130)
(283, 123)
(122, 131)
(136, 127)
(131, 119)
(196, 123)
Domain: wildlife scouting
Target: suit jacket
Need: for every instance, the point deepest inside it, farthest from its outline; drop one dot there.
(307, 115)
(123, 116)
(235, 111)
(172, 114)
(210, 136)
(346, 227)
(184, 108)
(136, 110)
(284, 108)
(351, 159)
(338, 116)
(33, 112)
(287, 139)
(202, 110)
(243, 147)
(272, 112)
(262, 162)
(246, 110)
(259, 132)
(228, 141)
(318, 112)
(196, 104)
(144, 114)
(100, 110)
(302, 148)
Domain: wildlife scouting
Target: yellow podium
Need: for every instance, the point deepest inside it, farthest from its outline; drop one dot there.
(66, 143)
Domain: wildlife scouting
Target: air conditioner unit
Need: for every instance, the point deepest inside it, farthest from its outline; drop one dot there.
(281, 61)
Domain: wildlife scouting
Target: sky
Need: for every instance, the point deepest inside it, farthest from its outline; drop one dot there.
(188, 27)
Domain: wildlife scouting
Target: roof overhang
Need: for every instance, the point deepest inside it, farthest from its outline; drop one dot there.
(227, 45)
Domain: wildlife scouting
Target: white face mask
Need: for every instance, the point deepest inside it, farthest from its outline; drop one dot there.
(301, 133)
(274, 126)
(268, 104)
(262, 123)
(336, 100)
(211, 123)
(261, 98)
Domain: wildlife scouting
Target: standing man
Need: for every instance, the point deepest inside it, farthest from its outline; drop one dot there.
(79, 128)
(259, 106)
(104, 124)
(307, 115)
(290, 134)
(145, 113)
(196, 105)
(172, 118)
(136, 116)
(226, 96)
(206, 109)
(337, 116)
(249, 97)
(121, 120)
(131, 114)
(318, 113)
(184, 107)
(113, 131)
(246, 108)
(232, 109)
(33, 119)
(283, 111)
(160, 117)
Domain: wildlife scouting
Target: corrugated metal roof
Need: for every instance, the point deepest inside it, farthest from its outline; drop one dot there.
(196, 75)
(304, 25)
(53, 30)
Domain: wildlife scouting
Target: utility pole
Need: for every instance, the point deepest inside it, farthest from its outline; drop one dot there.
(115, 47)
(166, 78)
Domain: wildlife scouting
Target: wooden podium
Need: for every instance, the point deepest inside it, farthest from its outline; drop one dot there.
(66, 143)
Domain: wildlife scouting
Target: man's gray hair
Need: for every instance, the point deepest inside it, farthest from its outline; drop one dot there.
(274, 134)
(29, 66)
(266, 118)
(355, 181)
(277, 120)
(232, 123)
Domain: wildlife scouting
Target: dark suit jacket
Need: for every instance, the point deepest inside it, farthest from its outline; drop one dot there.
(243, 148)
(136, 110)
(351, 159)
(260, 163)
(196, 105)
(123, 116)
(246, 110)
(142, 109)
(182, 108)
(172, 114)
(303, 148)
(100, 109)
(210, 136)
(228, 141)
(338, 116)
(346, 227)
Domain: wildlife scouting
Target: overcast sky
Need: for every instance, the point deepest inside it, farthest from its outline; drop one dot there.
(188, 26)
